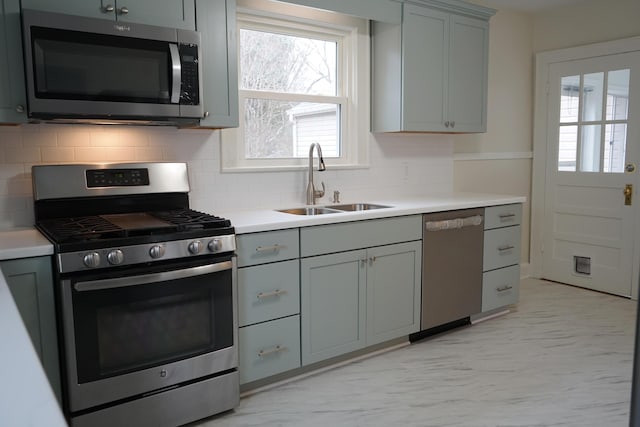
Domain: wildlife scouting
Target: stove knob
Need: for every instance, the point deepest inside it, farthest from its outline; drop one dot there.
(195, 247)
(92, 259)
(215, 245)
(156, 251)
(115, 257)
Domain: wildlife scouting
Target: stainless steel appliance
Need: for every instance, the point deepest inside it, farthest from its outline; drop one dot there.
(451, 268)
(82, 69)
(146, 294)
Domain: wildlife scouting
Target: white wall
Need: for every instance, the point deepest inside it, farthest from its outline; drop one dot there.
(499, 160)
(401, 165)
(592, 22)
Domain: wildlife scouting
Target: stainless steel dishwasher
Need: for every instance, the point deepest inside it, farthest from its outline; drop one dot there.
(451, 267)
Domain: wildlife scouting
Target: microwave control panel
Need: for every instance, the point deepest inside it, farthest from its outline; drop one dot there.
(189, 92)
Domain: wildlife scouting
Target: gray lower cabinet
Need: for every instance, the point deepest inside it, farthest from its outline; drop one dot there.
(355, 298)
(167, 13)
(501, 261)
(13, 98)
(268, 303)
(31, 284)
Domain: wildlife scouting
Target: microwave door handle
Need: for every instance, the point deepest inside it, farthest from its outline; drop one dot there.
(176, 69)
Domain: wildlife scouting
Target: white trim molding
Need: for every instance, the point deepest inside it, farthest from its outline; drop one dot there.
(518, 155)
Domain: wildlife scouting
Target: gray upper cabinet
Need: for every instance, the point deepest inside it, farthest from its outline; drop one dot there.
(429, 73)
(13, 98)
(216, 23)
(169, 13)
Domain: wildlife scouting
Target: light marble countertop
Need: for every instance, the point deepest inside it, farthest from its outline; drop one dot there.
(23, 243)
(26, 398)
(251, 221)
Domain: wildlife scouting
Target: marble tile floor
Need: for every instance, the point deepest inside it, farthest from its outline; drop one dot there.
(562, 357)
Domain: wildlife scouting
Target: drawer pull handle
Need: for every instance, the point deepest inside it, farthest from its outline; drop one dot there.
(507, 215)
(276, 293)
(504, 288)
(272, 248)
(506, 248)
(275, 350)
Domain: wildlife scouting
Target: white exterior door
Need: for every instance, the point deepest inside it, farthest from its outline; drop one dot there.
(590, 226)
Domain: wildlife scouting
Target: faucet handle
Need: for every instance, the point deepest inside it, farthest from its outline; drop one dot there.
(319, 193)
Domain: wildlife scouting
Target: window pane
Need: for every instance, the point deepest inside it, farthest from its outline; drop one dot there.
(283, 63)
(281, 129)
(618, 95)
(614, 148)
(593, 89)
(569, 99)
(590, 149)
(567, 148)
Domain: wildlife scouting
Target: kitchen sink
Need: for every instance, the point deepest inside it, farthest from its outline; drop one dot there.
(351, 207)
(308, 211)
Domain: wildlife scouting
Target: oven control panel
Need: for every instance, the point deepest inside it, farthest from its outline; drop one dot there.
(138, 254)
(117, 177)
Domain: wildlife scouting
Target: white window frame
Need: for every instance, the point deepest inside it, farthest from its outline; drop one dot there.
(353, 93)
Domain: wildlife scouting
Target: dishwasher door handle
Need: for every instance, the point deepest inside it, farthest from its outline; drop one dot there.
(453, 224)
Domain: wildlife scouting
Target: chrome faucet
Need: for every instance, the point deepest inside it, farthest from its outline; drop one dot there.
(312, 193)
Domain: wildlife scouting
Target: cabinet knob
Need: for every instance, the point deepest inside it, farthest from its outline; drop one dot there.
(123, 11)
(206, 114)
(20, 108)
(108, 8)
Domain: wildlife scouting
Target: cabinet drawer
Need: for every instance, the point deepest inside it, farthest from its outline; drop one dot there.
(271, 246)
(501, 248)
(502, 216)
(267, 292)
(500, 287)
(269, 348)
(348, 236)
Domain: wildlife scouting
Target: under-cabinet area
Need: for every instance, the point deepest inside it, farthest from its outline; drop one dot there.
(316, 295)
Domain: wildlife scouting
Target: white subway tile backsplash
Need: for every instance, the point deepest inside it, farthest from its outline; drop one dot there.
(22, 155)
(400, 165)
(58, 154)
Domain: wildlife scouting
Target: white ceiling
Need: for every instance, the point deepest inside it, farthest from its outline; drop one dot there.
(530, 5)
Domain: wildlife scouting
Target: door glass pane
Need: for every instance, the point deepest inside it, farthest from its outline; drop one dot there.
(593, 89)
(618, 95)
(567, 148)
(590, 148)
(614, 148)
(569, 99)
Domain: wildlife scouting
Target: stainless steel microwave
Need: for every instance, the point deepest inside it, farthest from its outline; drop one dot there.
(92, 70)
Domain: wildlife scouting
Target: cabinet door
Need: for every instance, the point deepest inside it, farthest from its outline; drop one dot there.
(216, 23)
(31, 285)
(13, 99)
(333, 300)
(90, 8)
(468, 58)
(425, 35)
(164, 13)
(393, 291)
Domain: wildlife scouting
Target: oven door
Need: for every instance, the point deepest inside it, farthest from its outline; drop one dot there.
(147, 330)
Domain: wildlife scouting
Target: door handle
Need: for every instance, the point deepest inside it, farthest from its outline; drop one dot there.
(628, 193)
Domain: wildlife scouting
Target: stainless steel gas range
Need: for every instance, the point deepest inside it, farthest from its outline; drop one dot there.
(145, 291)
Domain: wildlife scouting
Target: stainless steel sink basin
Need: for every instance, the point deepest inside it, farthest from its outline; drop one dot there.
(308, 211)
(351, 207)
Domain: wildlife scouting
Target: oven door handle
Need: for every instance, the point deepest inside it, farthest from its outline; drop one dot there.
(121, 282)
